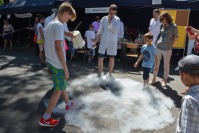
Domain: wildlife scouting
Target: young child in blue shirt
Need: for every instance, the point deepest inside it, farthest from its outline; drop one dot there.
(148, 53)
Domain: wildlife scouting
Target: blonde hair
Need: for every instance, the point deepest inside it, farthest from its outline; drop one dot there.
(67, 7)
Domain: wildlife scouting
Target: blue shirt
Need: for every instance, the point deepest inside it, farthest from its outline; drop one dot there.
(149, 52)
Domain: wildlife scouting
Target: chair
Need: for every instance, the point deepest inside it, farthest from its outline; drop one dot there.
(131, 51)
(84, 52)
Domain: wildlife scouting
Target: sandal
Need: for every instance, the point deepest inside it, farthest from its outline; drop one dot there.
(164, 84)
(152, 82)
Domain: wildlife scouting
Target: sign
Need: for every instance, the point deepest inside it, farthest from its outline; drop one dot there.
(156, 2)
(97, 10)
(11, 1)
(25, 15)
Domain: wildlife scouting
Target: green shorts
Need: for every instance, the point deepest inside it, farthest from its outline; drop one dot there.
(59, 81)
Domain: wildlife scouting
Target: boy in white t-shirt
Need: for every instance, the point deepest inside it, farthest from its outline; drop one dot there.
(90, 37)
(55, 56)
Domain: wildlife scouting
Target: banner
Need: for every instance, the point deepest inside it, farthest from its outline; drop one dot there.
(26, 15)
(97, 10)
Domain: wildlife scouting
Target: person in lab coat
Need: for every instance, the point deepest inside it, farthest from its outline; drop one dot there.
(108, 34)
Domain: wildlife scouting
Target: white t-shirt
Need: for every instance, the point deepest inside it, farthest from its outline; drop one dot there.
(48, 20)
(54, 31)
(154, 27)
(89, 36)
(39, 34)
(66, 30)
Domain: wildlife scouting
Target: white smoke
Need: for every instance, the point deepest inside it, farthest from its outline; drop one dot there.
(108, 105)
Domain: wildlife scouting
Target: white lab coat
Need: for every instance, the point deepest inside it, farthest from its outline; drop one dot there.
(109, 35)
(121, 34)
(154, 28)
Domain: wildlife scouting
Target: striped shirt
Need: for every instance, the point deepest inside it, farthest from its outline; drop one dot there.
(188, 121)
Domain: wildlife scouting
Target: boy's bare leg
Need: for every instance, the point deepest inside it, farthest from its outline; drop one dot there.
(53, 101)
(65, 96)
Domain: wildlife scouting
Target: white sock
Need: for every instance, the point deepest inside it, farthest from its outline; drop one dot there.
(69, 103)
(46, 116)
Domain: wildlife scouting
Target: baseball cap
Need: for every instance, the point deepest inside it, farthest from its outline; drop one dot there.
(188, 63)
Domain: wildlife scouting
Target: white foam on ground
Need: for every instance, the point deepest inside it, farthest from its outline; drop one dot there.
(122, 107)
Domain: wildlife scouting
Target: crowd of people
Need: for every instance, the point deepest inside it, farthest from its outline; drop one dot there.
(55, 38)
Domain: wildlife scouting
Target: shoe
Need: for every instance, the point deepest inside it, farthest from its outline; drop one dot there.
(146, 86)
(152, 82)
(43, 62)
(69, 107)
(48, 123)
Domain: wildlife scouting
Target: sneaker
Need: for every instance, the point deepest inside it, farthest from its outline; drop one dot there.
(69, 107)
(48, 123)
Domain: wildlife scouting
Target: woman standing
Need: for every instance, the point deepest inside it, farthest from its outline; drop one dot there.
(168, 36)
(40, 38)
(7, 34)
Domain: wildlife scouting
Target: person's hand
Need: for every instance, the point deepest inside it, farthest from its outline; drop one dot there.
(96, 40)
(66, 75)
(110, 18)
(94, 45)
(70, 34)
(193, 30)
(136, 65)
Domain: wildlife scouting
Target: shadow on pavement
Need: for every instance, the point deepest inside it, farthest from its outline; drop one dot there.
(169, 92)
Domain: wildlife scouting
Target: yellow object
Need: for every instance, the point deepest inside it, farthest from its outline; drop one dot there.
(40, 41)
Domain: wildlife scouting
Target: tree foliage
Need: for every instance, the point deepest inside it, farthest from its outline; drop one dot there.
(1, 2)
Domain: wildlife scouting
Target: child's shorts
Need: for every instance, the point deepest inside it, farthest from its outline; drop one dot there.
(146, 72)
(91, 51)
(59, 81)
(71, 49)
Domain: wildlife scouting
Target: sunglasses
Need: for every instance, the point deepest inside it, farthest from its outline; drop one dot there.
(161, 19)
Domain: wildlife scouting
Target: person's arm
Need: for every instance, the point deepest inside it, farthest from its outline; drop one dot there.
(41, 32)
(12, 28)
(191, 37)
(175, 34)
(69, 34)
(138, 61)
(101, 29)
(193, 30)
(61, 57)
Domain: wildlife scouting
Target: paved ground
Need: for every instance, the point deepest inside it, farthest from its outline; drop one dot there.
(24, 83)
